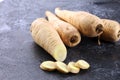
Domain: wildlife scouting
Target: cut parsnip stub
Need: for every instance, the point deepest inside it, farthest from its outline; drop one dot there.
(82, 64)
(72, 68)
(48, 38)
(48, 65)
(62, 67)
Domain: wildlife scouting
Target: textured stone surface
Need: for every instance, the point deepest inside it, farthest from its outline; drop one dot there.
(20, 56)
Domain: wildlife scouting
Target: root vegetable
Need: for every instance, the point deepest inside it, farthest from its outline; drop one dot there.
(69, 34)
(72, 68)
(88, 24)
(62, 67)
(48, 38)
(111, 31)
(48, 65)
(82, 64)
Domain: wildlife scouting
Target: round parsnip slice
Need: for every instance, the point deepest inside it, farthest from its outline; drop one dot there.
(72, 68)
(82, 64)
(62, 67)
(48, 65)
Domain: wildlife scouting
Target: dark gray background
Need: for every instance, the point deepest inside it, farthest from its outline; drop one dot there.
(20, 57)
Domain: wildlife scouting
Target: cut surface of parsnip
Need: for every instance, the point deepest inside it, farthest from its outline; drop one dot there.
(111, 31)
(69, 34)
(48, 38)
(62, 67)
(82, 64)
(48, 65)
(88, 24)
(72, 68)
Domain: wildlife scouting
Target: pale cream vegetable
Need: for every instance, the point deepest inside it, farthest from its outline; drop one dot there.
(82, 64)
(111, 31)
(69, 34)
(48, 65)
(88, 24)
(47, 37)
(72, 68)
(62, 67)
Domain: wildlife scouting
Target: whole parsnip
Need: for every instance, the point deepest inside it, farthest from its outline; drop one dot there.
(88, 24)
(69, 34)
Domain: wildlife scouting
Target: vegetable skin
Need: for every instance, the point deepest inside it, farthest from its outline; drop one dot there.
(88, 24)
(111, 31)
(69, 34)
(47, 37)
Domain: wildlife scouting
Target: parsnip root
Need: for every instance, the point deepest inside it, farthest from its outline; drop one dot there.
(88, 24)
(47, 37)
(69, 34)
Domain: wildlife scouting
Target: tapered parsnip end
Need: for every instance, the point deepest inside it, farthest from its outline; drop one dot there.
(62, 67)
(60, 53)
(82, 64)
(52, 18)
(99, 43)
(47, 13)
(57, 9)
(72, 68)
(48, 65)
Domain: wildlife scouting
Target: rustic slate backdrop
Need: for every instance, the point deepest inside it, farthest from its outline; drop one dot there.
(20, 56)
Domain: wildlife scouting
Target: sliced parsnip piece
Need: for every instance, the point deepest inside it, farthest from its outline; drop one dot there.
(48, 65)
(62, 67)
(72, 68)
(82, 64)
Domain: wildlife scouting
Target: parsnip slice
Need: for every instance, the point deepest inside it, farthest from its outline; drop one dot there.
(82, 64)
(62, 67)
(72, 68)
(48, 65)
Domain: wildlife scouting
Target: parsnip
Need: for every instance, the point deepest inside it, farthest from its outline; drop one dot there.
(111, 31)
(82, 64)
(48, 65)
(69, 34)
(88, 24)
(48, 38)
(72, 68)
(62, 67)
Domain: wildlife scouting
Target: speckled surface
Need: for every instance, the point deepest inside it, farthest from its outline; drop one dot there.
(20, 56)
